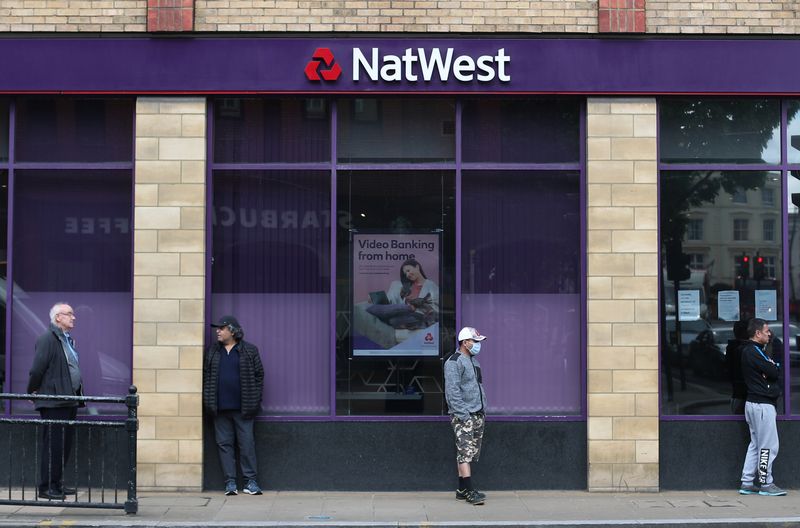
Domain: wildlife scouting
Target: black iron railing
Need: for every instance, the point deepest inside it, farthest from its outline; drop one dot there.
(98, 467)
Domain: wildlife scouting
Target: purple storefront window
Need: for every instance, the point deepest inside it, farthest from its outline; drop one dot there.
(3, 131)
(74, 130)
(521, 130)
(271, 130)
(520, 262)
(72, 243)
(793, 132)
(271, 269)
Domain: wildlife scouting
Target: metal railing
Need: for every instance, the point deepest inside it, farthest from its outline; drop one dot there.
(88, 473)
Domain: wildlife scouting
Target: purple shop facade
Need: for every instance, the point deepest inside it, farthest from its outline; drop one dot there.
(408, 66)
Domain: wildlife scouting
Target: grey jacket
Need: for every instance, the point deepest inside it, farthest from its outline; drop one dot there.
(462, 386)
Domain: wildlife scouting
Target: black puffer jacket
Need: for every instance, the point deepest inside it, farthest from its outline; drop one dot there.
(761, 374)
(251, 373)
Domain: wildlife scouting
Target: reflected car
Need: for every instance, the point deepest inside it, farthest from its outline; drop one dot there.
(689, 331)
(707, 351)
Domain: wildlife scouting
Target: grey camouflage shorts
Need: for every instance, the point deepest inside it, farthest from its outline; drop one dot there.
(469, 435)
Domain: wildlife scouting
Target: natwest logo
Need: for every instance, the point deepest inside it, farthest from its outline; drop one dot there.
(331, 70)
(430, 65)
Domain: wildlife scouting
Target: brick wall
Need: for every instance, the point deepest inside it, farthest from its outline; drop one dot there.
(622, 295)
(169, 289)
(411, 16)
(414, 16)
(73, 15)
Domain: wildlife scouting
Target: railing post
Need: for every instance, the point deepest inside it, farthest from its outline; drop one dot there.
(132, 426)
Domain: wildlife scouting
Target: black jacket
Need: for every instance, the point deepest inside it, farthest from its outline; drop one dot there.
(251, 373)
(50, 373)
(761, 374)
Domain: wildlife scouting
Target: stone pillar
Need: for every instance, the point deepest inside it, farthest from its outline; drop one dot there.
(169, 289)
(622, 296)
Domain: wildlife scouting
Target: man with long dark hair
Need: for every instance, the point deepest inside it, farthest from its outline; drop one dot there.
(233, 378)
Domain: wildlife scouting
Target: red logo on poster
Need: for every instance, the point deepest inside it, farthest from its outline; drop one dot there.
(428, 337)
(330, 72)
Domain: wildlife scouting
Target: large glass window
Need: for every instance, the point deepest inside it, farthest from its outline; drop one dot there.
(271, 269)
(396, 172)
(516, 277)
(741, 276)
(387, 130)
(720, 130)
(72, 236)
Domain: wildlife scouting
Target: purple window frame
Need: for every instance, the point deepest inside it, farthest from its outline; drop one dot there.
(10, 166)
(457, 165)
(783, 167)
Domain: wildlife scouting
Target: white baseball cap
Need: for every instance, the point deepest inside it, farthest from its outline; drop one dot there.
(470, 333)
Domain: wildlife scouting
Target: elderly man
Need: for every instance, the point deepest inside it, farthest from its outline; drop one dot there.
(466, 402)
(56, 371)
(233, 377)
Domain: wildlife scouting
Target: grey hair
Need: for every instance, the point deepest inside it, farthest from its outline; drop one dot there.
(54, 311)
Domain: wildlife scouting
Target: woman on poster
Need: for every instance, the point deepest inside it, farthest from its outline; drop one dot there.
(413, 300)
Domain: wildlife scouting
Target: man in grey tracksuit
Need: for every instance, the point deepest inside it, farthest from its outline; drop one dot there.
(761, 373)
(466, 402)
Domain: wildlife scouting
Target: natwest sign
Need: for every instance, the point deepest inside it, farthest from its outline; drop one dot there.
(413, 65)
(429, 65)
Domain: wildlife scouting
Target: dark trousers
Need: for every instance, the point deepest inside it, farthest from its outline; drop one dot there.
(230, 427)
(56, 447)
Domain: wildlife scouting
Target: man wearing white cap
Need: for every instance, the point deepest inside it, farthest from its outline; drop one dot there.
(466, 402)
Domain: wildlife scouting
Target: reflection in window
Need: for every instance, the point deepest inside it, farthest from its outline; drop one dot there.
(696, 261)
(723, 276)
(793, 326)
(3, 272)
(387, 130)
(739, 197)
(793, 132)
(719, 130)
(740, 227)
(694, 230)
(767, 196)
(769, 230)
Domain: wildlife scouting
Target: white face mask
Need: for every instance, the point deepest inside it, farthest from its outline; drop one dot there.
(476, 348)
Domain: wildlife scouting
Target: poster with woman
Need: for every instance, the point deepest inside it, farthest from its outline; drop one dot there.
(396, 294)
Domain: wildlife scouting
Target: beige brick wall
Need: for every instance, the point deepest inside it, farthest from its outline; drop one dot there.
(73, 15)
(715, 16)
(169, 289)
(622, 296)
(413, 16)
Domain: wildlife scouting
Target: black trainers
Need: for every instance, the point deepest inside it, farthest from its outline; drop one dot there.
(475, 498)
(462, 494)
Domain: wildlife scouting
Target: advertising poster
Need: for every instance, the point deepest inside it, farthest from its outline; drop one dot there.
(396, 294)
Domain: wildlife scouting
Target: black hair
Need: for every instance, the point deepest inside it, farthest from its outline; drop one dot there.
(740, 330)
(238, 333)
(753, 325)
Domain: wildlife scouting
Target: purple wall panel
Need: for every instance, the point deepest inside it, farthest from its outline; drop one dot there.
(532, 358)
(102, 334)
(292, 333)
(593, 65)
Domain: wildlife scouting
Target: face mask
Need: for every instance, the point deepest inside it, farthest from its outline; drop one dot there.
(476, 348)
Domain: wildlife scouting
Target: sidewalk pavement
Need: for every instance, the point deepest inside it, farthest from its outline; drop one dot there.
(426, 509)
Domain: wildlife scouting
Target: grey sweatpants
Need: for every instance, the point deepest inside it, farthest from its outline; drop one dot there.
(763, 446)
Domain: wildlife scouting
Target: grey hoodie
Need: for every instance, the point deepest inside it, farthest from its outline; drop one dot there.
(462, 386)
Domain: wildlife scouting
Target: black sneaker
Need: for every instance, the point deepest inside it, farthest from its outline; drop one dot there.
(475, 498)
(462, 494)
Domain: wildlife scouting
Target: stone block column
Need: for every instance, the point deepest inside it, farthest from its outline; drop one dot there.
(169, 289)
(622, 296)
